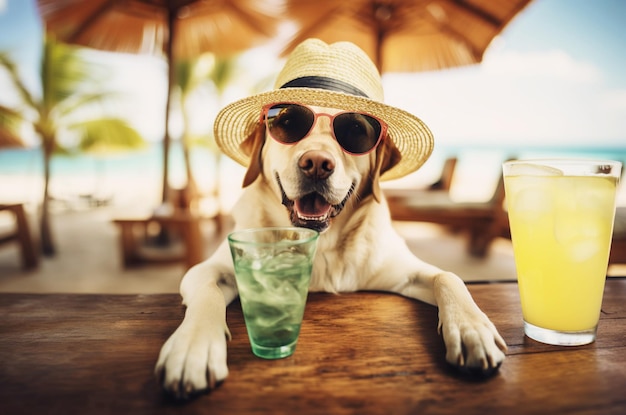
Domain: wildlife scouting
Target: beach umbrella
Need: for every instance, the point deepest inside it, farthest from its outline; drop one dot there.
(407, 35)
(175, 29)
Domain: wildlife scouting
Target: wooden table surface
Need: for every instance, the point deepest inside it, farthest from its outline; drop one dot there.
(363, 353)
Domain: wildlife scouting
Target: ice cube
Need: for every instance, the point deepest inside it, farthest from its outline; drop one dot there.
(570, 228)
(276, 263)
(289, 293)
(584, 249)
(564, 232)
(531, 169)
(285, 263)
(533, 200)
(268, 316)
(596, 201)
(256, 264)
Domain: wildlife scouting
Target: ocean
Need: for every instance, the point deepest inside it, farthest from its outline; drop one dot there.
(131, 175)
(149, 160)
(21, 170)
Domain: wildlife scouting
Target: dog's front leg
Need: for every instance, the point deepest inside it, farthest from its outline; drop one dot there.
(472, 340)
(193, 359)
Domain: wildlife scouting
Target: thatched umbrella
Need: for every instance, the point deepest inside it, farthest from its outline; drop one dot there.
(176, 29)
(407, 35)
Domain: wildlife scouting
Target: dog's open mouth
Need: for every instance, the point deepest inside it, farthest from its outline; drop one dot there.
(312, 210)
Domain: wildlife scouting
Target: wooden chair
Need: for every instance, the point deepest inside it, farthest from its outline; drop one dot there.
(482, 221)
(618, 245)
(21, 234)
(134, 231)
(182, 223)
(447, 173)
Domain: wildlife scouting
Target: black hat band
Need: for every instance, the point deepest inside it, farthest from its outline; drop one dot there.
(321, 82)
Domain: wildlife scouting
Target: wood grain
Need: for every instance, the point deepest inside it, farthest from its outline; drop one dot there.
(362, 353)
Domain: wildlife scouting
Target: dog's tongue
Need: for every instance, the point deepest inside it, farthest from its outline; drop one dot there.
(312, 205)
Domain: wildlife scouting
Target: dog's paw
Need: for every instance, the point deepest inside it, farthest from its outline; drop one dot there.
(473, 343)
(192, 361)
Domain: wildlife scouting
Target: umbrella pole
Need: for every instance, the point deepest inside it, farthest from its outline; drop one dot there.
(163, 238)
(170, 80)
(380, 40)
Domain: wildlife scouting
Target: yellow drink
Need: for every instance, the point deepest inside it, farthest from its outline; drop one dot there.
(561, 227)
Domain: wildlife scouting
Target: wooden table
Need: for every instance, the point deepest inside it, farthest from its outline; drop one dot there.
(364, 353)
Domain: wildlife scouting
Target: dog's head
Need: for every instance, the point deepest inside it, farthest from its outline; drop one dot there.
(314, 178)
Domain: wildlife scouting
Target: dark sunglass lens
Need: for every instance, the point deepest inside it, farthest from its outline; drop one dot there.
(289, 123)
(357, 133)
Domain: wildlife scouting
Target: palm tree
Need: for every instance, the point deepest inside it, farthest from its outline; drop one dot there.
(224, 71)
(206, 70)
(70, 102)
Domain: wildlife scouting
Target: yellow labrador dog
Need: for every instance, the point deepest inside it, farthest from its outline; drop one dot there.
(319, 166)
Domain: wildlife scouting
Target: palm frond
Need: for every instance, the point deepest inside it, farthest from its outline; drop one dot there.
(80, 104)
(10, 117)
(10, 122)
(184, 74)
(193, 73)
(224, 70)
(11, 67)
(65, 73)
(107, 135)
(201, 140)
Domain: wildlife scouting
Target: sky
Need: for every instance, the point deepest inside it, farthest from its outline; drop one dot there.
(555, 76)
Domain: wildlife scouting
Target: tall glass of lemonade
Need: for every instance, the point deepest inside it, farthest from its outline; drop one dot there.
(561, 214)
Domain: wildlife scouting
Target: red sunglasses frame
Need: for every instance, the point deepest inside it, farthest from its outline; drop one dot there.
(316, 115)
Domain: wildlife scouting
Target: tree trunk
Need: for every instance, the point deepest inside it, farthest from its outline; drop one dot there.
(47, 243)
(217, 190)
(191, 188)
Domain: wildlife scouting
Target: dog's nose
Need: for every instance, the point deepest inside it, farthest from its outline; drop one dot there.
(317, 164)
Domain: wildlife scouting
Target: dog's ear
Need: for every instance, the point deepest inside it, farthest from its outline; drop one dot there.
(252, 146)
(387, 156)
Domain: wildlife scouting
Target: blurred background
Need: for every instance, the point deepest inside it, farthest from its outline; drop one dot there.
(550, 82)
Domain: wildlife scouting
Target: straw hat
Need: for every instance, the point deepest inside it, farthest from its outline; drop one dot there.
(339, 76)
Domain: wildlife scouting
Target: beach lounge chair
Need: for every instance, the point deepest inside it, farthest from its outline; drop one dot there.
(483, 221)
(20, 234)
(447, 173)
(618, 245)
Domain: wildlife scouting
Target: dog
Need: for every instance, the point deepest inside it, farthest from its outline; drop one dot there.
(316, 183)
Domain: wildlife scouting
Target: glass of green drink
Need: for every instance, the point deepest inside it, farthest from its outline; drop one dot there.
(273, 271)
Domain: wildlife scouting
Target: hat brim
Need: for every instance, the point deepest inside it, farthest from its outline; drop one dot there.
(411, 136)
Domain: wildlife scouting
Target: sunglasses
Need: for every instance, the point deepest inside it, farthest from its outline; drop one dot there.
(357, 133)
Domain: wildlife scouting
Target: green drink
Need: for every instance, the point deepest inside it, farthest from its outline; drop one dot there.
(273, 271)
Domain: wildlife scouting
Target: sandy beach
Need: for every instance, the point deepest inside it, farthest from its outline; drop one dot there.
(89, 259)
(89, 253)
